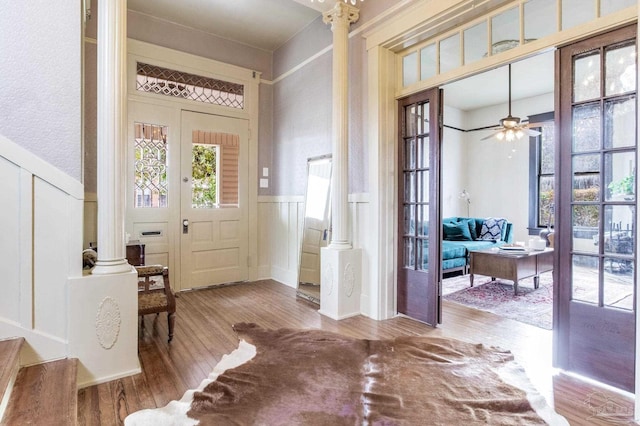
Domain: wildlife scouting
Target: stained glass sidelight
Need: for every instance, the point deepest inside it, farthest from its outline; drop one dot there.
(150, 165)
(164, 81)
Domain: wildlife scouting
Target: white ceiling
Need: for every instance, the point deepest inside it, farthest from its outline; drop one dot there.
(268, 24)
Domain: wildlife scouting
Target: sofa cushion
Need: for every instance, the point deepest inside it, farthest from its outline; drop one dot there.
(492, 229)
(453, 249)
(458, 231)
(473, 229)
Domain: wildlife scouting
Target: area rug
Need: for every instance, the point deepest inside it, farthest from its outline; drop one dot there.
(531, 306)
(314, 377)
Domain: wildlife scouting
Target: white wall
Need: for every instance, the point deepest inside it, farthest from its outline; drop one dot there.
(454, 164)
(498, 171)
(41, 81)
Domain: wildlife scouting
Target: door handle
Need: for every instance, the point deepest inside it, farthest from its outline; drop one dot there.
(185, 226)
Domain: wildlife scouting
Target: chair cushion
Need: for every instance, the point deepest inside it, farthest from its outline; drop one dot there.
(452, 250)
(150, 303)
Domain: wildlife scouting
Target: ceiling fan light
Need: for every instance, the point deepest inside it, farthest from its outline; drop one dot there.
(510, 135)
(519, 133)
(500, 135)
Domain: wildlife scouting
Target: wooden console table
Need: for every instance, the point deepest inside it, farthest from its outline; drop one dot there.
(135, 253)
(513, 266)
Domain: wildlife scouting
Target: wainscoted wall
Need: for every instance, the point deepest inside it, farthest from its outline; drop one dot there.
(280, 220)
(40, 249)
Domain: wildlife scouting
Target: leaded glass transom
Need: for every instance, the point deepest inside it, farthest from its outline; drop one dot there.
(164, 81)
(150, 165)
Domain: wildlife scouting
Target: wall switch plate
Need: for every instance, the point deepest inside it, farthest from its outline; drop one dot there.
(264, 183)
(265, 172)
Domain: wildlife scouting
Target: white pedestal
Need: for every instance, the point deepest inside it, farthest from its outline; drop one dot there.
(103, 326)
(341, 282)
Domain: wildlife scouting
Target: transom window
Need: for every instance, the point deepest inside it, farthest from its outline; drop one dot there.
(507, 28)
(164, 81)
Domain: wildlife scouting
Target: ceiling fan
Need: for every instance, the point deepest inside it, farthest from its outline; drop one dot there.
(511, 127)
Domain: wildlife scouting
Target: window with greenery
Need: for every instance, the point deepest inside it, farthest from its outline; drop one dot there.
(204, 167)
(542, 173)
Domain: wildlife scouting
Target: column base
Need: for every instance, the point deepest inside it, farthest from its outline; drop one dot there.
(108, 267)
(340, 280)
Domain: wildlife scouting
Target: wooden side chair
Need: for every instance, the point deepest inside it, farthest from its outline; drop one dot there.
(155, 297)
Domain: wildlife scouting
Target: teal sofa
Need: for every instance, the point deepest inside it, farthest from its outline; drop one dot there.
(456, 245)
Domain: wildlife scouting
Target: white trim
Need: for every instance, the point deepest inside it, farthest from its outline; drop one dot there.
(39, 167)
(105, 379)
(281, 198)
(302, 64)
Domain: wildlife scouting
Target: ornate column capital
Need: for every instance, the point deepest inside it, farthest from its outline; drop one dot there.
(342, 13)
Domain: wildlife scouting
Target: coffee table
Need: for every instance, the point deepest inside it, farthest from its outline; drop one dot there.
(509, 265)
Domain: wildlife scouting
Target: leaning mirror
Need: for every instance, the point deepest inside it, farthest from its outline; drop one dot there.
(316, 226)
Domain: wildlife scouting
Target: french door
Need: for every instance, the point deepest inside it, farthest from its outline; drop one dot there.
(597, 208)
(419, 265)
(187, 193)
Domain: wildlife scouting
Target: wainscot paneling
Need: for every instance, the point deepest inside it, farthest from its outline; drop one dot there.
(280, 222)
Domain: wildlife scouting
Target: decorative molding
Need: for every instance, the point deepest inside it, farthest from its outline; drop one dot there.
(349, 279)
(108, 322)
(328, 283)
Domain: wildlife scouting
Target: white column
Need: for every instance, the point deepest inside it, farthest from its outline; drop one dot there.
(340, 17)
(111, 130)
(341, 264)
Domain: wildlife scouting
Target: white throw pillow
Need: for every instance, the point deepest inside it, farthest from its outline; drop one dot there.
(492, 228)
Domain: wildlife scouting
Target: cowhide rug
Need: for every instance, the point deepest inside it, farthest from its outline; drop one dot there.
(314, 377)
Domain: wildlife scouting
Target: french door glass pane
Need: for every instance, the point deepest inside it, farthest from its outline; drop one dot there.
(423, 220)
(410, 153)
(409, 220)
(475, 42)
(505, 31)
(619, 172)
(423, 152)
(409, 258)
(576, 12)
(620, 69)
(586, 77)
(620, 122)
(423, 118)
(610, 6)
(410, 118)
(539, 18)
(423, 186)
(425, 258)
(586, 127)
(428, 61)
(450, 53)
(150, 165)
(585, 272)
(585, 228)
(586, 177)
(619, 225)
(410, 69)
(618, 289)
(409, 187)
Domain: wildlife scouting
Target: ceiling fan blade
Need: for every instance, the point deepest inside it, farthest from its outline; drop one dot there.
(492, 135)
(532, 132)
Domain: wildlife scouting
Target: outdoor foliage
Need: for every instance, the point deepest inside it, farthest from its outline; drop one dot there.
(204, 175)
(586, 215)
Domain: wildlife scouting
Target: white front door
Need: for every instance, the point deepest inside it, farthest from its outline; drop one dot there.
(214, 248)
(213, 206)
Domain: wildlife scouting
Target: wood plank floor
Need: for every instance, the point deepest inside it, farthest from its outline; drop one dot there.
(203, 335)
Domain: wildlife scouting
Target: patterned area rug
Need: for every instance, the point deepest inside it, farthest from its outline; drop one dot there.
(531, 306)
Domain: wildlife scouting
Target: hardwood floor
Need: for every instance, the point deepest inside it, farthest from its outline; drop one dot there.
(203, 335)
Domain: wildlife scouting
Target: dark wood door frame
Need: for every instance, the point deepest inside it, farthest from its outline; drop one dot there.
(590, 339)
(419, 291)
